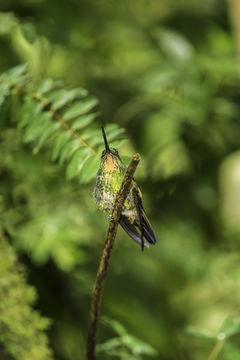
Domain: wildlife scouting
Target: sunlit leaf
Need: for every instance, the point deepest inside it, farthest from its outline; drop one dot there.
(44, 112)
(36, 127)
(68, 150)
(200, 333)
(113, 133)
(76, 163)
(4, 92)
(83, 121)
(14, 72)
(44, 86)
(48, 131)
(62, 97)
(109, 345)
(29, 111)
(59, 143)
(174, 44)
(80, 108)
(89, 169)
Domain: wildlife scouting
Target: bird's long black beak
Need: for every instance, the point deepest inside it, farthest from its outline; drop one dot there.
(105, 140)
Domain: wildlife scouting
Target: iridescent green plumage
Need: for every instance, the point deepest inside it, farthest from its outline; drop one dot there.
(109, 180)
(108, 183)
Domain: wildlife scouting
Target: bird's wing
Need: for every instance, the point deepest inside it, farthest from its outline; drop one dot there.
(131, 230)
(145, 226)
(148, 232)
(139, 207)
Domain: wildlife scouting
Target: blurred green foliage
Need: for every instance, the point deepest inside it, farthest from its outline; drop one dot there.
(21, 328)
(168, 73)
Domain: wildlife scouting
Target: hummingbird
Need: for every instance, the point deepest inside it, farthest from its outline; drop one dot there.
(109, 179)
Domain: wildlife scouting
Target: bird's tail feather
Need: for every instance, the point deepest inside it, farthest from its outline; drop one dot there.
(131, 230)
(148, 232)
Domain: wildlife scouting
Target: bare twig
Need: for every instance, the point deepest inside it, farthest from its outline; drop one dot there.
(103, 266)
(217, 349)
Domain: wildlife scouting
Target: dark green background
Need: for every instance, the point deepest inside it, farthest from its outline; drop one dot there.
(167, 72)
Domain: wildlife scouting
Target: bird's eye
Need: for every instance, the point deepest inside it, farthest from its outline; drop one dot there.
(103, 153)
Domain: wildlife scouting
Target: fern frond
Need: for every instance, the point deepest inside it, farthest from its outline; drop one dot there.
(64, 118)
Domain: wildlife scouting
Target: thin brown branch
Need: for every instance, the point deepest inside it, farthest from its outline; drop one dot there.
(103, 266)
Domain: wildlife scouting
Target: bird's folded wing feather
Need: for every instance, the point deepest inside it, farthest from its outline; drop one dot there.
(131, 230)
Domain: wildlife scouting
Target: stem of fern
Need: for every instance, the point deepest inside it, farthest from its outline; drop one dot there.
(55, 114)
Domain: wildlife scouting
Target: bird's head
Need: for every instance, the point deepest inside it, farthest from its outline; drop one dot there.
(110, 156)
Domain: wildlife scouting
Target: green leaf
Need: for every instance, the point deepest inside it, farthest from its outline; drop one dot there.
(127, 343)
(28, 31)
(61, 97)
(89, 169)
(94, 136)
(45, 86)
(200, 333)
(22, 333)
(113, 132)
(36, 128)
(174, 44)
(14, 76)
(83, 121)
(14, 72)
(115, 325)
(76, 163)
(80, 108)
(29, 111)
(60, 142)
(230, 327)
(7, 22)
(109, 345)
(231, 351)
(137, 346)
(91, 134)
(4, 92)
(68, 150)
(48, 131)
